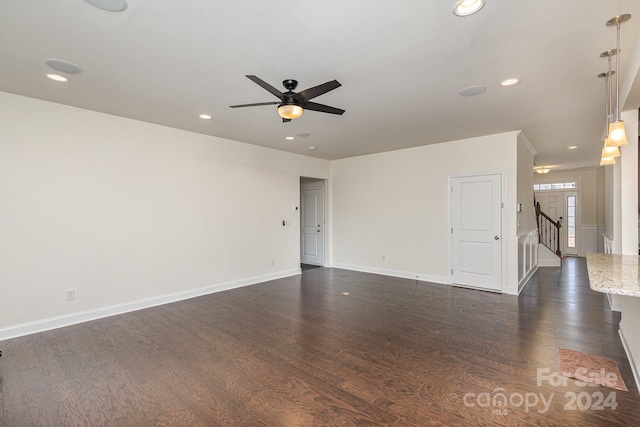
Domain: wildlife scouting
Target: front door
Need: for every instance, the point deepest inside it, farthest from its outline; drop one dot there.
(312, 226)
(476, 233)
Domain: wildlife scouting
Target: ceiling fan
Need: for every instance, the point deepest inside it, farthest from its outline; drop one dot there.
(292, 104)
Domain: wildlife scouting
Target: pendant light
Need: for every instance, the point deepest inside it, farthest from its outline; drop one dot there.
(608, 151)
(607, 91)
(606, 161)
(611, 152)
(617, 133)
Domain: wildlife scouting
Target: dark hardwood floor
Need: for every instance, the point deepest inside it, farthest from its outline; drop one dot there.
(297, 352)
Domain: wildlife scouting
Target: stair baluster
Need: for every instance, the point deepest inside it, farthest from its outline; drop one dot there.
(548, 230)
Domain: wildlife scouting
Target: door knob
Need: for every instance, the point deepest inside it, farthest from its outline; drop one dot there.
(497, 237)
(318, 231)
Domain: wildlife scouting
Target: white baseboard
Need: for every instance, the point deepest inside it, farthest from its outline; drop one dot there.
(394, 273)
(632, 362)
(99, 313)
(614, 302)
(526, 279)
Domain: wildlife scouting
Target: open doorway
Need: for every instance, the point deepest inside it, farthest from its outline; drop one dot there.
(561, 203)
(312, 223)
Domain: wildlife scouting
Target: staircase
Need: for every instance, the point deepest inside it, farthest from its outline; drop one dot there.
(549, 254)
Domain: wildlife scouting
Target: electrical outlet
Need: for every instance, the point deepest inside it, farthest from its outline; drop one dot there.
(69, 294)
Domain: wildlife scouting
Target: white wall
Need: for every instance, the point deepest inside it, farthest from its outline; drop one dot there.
(612, 194)
(626, 212)
(628, 165)
(396, 205)
(601, 201)
(123, 211)
(527, 217)
(527, 228)
(629, 321)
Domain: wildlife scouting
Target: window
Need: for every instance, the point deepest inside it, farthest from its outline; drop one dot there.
(554, 186)
(571, 221)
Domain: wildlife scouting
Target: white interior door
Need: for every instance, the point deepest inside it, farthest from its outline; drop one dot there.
(476, 219)
(312, 226)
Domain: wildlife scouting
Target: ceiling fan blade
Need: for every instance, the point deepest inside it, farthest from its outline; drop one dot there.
(255, 105)
(312, 92)
(314, 106)
(285, 120)
(266, 86)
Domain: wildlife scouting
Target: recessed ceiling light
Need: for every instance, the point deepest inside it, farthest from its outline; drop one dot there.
(312, 147)
(289, 138)
(109, 5)
(468, 7)
(63, 66)
(57, 78)
(510, 82)
(573, 147)
(205, 116)
(472, 90)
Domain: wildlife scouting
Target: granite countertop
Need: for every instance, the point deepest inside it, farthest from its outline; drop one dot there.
(614, 274)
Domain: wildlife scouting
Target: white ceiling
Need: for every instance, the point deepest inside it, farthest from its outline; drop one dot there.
(401, 64)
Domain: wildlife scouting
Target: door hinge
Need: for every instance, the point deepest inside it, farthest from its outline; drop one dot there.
(452, 271)
(502, 205)
(452, 188)
(451, 230)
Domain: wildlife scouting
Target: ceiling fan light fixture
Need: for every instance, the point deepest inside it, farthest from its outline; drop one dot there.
(617, 135)
(290, 111)
(468, 7)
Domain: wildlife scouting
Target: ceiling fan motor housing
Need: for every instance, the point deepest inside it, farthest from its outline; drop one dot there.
(290, 84)
(289, 98)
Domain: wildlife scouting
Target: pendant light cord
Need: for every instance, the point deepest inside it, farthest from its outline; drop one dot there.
(618, 74)
(609, 80)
